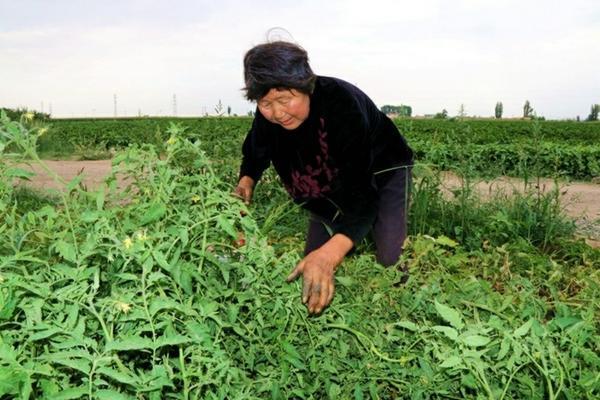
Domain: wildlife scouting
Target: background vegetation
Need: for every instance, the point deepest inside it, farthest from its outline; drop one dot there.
(147, 292)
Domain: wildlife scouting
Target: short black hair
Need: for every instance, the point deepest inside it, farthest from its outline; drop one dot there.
(279, 65)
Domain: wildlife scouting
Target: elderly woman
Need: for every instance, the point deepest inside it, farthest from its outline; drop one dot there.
(337, 155)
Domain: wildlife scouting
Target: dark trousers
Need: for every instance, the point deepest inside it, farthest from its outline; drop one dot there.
(389, 229)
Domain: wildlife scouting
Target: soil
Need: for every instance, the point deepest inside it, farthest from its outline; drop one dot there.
(581, 200)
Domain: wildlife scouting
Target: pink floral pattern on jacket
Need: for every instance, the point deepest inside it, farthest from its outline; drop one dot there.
(314, 180)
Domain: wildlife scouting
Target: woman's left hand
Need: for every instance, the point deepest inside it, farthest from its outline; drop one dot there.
(317, 269)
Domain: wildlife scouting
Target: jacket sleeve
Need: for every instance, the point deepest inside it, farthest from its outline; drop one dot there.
(255, 152)
(351, 124)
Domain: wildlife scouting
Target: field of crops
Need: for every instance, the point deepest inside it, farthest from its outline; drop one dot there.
(565, 149)
(149, 292)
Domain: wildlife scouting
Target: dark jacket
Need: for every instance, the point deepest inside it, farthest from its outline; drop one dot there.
(332, 163)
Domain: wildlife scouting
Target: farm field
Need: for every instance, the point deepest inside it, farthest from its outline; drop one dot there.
(578, 199)
(159, 284)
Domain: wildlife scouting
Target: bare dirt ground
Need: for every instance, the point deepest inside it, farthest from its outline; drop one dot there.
(581, 200)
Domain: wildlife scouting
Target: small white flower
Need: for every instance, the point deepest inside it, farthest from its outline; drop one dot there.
(122, 307)
(127, 243)
(141, 236)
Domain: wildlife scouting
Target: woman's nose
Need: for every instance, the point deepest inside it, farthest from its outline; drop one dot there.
(278, 112)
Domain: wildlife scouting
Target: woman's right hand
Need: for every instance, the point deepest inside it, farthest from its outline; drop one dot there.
(244, 189)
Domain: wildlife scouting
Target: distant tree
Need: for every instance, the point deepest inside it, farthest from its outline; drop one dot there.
(250, 113)
(594, 112)
(219, 108)
(462, 111)
(527, 110)
(441, 115)
(499, 109)
(228, 110)
(15, 114)
(401, 110)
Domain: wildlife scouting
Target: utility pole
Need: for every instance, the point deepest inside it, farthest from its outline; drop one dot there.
(115, 104)
(174, 105)
(42, 107)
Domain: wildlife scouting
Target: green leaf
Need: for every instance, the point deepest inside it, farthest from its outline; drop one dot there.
(411, 326)
(71, 393)
(89, 216)
(160, 259)
(153, 214)
(107, 394)
(118, 376)
(10, 380)
(446, 241)
(565, 322)
(476, 340)
(7, 353)
(451, 362)
(450, 333)
(19, 173)
(74, 182)
(292, 355)
(504, 348)
(100, 199)
(130, 343)
(358, 392)
(66, 250)
(45, 334)
(227, 226)
(449, 315)
(345, 281)
(172, 340)
(162, 303)
(74, 363)
(523, 329)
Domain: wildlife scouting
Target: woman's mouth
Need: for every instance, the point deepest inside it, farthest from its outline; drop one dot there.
(286, 122)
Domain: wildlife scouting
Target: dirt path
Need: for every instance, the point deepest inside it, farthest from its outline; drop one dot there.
(581, 200)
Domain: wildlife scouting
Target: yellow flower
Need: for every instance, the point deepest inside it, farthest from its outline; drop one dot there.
(123, 307)
(29, 116)
(171, 140)
(42, 131)
(195, 198)
(141, 236)
(127, 243)
(1, 279)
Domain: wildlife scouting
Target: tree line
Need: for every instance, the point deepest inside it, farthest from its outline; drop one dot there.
(528, 111)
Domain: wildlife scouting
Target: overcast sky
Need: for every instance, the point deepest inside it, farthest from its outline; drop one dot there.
(73, 56)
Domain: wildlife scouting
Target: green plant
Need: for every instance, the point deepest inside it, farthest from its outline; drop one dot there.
(144, 291)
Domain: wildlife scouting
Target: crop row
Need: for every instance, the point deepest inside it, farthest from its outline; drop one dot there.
(546, 148)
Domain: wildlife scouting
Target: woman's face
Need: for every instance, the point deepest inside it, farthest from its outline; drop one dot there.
(286, 107)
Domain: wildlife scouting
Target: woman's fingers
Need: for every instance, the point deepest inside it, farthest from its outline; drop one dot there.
(330, 294)
(243, 193)
(317, 285)
(315, 295)
(297, 271)
(323, 298)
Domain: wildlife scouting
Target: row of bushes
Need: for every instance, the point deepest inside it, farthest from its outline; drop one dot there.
(489, 147)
